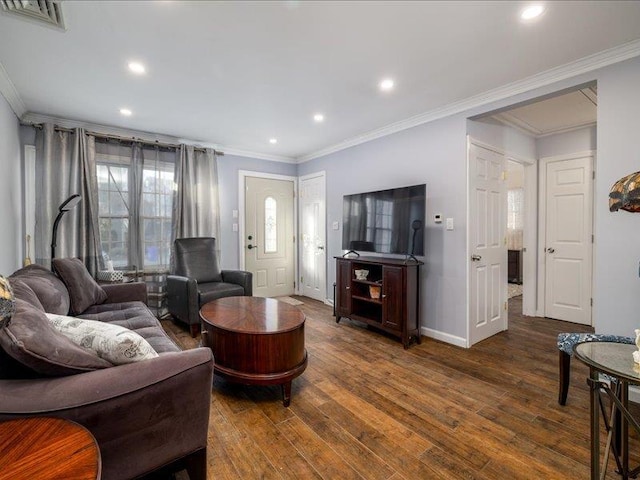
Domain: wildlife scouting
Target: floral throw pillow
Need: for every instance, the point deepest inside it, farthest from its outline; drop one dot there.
(113, 343)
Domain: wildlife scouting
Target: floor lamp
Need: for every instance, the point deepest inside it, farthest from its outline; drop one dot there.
(68, 204)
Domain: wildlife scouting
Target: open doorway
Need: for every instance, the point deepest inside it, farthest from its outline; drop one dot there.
(551, 130)
(515, 228)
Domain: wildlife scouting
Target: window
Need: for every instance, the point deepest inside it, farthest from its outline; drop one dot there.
(515, 218)
(113, 212)
(117, 206)
(157, 205)
(270, 225)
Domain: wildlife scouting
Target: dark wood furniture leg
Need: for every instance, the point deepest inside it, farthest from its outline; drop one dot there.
(564, 375)
(286, 394)
(194, 329)
(196, 465)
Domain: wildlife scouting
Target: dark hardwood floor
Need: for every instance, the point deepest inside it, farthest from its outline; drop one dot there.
(365, 408)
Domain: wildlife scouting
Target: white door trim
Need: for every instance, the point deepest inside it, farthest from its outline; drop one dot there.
(530, 240)
(323, 174)
(542, 221)
(242, 175)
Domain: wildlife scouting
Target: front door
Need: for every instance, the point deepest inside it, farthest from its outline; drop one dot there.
(487, 241)
(269, 242)
(313, 258)
(568, 244)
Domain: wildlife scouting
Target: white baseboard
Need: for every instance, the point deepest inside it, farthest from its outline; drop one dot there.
(444, 337)
(328, 301)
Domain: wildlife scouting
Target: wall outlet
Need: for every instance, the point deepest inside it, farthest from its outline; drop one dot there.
(335, 225)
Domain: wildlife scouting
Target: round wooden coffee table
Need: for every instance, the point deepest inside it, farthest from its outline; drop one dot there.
(47, 448)
(255, 341)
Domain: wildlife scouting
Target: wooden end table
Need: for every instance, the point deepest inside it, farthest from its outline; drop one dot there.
(47, 449)
(255, 341)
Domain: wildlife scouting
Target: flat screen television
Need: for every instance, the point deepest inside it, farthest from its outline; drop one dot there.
(386, 221)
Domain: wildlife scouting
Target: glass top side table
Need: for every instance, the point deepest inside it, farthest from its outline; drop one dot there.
(615, 360)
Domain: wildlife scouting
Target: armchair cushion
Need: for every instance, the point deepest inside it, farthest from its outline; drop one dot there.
(84, 291)
(31, 340)
(118, 345)
(196, 258)
(212, 291)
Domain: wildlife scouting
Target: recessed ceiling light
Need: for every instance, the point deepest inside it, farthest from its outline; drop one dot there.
(532, 11)
(126, 112)
(318, 117)
(386, 85)
(136, 67)
(273, 141)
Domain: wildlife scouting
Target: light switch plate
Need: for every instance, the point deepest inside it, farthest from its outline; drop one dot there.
(449, 223)
(235, 213)
(335, 225)
(437, 218)
(235, 227)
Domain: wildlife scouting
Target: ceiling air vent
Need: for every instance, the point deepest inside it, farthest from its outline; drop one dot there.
(44, 12)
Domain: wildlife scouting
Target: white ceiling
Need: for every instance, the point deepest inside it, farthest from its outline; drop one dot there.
(554, 115)
(235, 74)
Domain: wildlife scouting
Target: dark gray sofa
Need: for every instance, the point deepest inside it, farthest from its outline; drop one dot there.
(147, 417)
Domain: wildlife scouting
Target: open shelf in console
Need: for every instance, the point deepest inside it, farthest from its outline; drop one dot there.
(387, 296)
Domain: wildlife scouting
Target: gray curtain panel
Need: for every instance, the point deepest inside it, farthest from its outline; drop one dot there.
(196, 202)
(65, 165)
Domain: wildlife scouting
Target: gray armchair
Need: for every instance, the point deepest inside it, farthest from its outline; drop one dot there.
(198, 279)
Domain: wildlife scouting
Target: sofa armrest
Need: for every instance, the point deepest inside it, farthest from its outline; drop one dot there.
(125, 292)
(239, 277)
(143, 415)
(183, 299)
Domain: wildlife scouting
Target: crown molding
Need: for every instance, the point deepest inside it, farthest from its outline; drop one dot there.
(260, 156)
(548, 77)
(11, 95)
(37, 118)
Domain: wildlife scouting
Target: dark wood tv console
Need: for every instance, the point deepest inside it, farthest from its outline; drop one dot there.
(396, 310)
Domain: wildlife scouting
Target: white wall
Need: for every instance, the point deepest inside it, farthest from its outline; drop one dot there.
(10, 191)
(507, 139)
(617, 235)
(435, 154)
(580, 140)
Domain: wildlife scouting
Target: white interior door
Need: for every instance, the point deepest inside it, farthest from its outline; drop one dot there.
(269, 236)
(487, 241)
(568, 244)
(313, 237)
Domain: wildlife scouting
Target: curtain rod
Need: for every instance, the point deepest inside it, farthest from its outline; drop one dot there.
(155, 143)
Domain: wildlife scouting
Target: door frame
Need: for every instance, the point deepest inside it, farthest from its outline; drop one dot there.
(242, 175)
(542, 222)
(468, 250)
(530, 233)
(322, 174)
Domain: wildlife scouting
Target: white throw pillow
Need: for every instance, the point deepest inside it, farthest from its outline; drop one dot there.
(113, 343)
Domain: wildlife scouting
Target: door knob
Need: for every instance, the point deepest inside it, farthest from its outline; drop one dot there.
(320, 247)
(476, 258)
(252, 246)
(551, 250)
